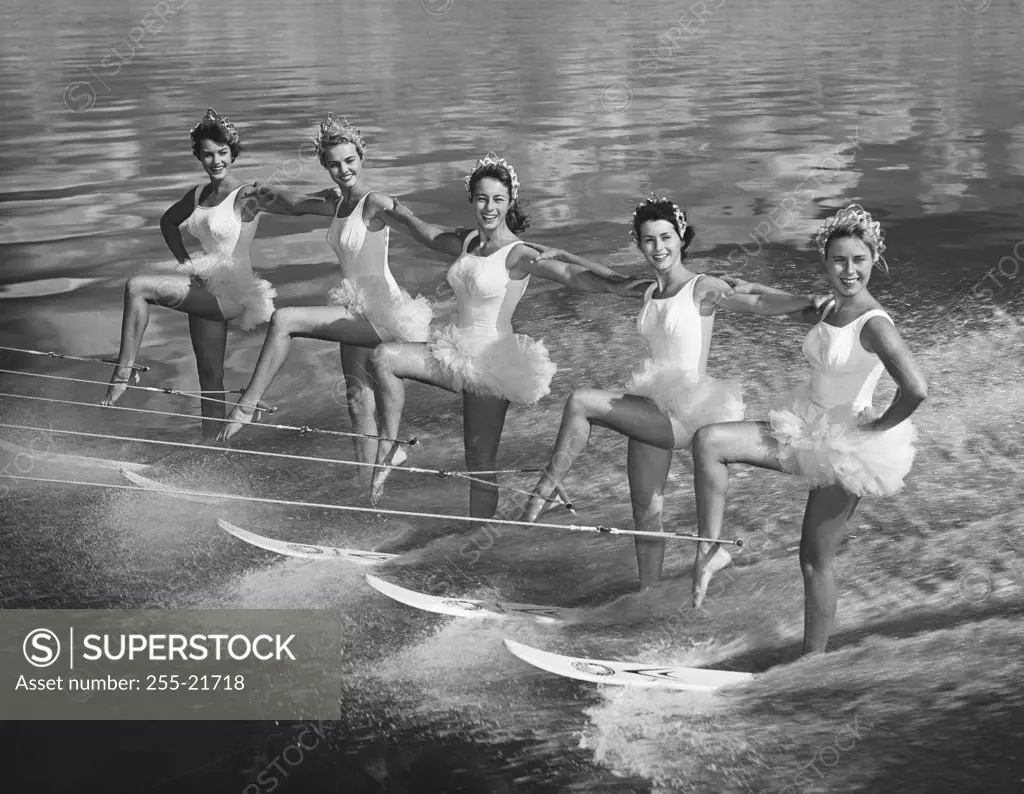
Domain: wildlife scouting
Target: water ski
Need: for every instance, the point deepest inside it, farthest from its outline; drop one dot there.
(153, 485)
(634, 674)
(71, 459)
(305, 550)
(469, 607)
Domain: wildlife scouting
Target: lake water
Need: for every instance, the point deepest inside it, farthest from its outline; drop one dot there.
(761, 117)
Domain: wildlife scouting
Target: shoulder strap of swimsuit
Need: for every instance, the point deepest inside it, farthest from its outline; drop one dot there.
(692, 285)
(199, 189)
(469, 238)
(359, 206)
(862, 320)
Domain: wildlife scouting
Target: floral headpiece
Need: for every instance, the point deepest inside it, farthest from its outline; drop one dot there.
(492, 159)
(334, 127)
(213, 117)
(656, 199)
(853, 217)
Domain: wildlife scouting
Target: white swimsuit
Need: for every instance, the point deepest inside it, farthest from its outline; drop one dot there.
(224, 269)
(671, 377)
(480, 352)
(368, 289)
(818, 425)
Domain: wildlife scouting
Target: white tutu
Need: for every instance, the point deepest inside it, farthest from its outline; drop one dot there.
(827, 446)
(690, 399)
(395, 316)
(511, 366)
(245, 299)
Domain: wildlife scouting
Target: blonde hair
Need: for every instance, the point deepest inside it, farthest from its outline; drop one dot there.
(853, 221)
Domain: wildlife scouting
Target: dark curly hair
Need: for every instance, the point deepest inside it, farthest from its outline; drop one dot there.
(661, 210)
(516, 220)
(211, 130)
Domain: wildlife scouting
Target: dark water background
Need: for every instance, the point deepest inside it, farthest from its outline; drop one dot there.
(761, 119)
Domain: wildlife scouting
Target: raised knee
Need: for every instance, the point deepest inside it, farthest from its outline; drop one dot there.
(281, 321)
(706, 441)
(581, 401)
(137, 287)
(380, 358)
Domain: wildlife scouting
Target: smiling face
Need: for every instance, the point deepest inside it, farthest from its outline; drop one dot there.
(490, 203)
(660, 244)
(848, 263)
(215, 157)
(344, 163)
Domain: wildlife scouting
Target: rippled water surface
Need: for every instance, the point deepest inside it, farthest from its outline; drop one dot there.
(760, 116)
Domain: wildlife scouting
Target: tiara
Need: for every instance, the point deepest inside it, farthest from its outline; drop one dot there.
(853, 216)
(656, 199)
(213, 117)
(492, 159)
(336, 127)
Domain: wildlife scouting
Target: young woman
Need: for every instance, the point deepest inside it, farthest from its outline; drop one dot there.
(480, 355)
(826, 431)
(214, 287)
(671, 395)
(366, 308)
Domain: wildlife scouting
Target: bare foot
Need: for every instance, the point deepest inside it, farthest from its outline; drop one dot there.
(380, 475)
(540, 502)
(704, 568)
(240, 416)
(119, 383)
(560, 499)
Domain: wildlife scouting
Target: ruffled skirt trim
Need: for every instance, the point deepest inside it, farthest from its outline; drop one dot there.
(827, 446)
(690, 399)
(245, 299)
(513, 367)
(395, 316)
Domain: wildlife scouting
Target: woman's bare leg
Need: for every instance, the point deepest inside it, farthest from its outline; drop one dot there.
(648, 467)
(172, 292)
(714, 448)
(359, 399)
(825, 519)
(483, 420)
(209, 343)
(390, 365)
(628, 414)
(329, 323)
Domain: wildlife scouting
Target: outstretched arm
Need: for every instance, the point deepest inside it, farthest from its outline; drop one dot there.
(278, 201)
(549, 252)
(381, 206)
(716, 293)
(437, 238)
(880, 337)
(809, 315)
(176, 215)
(525, 260)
